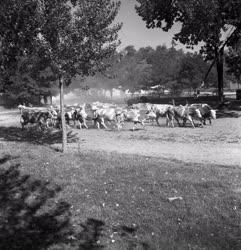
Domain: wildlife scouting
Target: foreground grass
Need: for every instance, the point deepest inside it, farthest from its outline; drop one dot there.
(126, 198)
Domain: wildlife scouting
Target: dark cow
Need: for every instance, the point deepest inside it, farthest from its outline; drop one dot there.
(40, 118)
(80, 115)
(206, 111)
(70, 115)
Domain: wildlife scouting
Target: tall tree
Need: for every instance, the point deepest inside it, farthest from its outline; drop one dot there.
(72, 36)
(132, 71)
(19, 26)
(216, 23)
(233, 61)
(191, 71)
(165, 63)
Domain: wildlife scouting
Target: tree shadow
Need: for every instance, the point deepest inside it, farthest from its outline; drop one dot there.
(35, 136)
(128, 236)
(225, 113)
(30, 215)
(88, 238)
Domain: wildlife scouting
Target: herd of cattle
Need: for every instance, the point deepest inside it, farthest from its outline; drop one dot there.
(100, 113)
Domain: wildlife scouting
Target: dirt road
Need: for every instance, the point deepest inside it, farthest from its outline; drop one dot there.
(219, 143)
(182, 145)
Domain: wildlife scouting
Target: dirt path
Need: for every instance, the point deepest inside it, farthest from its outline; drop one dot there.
(223, 154)
(216, 144)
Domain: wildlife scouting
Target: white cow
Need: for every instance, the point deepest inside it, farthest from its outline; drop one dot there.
(107, 114)
(186, 113)
(160, 110)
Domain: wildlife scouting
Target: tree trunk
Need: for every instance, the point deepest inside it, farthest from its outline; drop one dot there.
(64, 133)
(219, 64)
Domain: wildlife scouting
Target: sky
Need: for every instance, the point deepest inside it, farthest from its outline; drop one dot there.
(134, 31)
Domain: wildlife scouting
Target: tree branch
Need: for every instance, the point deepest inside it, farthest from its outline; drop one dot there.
(229, 38)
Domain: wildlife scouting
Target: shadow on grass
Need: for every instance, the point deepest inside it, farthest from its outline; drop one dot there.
(225, 113)
(92, 230)
(35, 136)
(30, 217)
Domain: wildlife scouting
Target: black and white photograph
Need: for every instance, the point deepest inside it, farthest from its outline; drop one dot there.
(120, 124)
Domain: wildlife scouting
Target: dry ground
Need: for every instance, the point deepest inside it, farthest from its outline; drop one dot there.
(116, 186)
(219, 143)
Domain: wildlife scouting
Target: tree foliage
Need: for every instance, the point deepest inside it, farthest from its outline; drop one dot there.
(202, 21)
(64, 38)
(166, 67)
(70, 37)
(192, 70)
(233, 61)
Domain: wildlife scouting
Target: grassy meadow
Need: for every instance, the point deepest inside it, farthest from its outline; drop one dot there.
(97, 200)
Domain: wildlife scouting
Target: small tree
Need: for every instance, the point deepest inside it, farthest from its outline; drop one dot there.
(72, 37)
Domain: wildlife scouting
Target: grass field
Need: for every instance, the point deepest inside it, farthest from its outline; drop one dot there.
(92, 199)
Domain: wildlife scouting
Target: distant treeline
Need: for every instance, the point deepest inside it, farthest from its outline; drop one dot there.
(169, 68)
(132, 69)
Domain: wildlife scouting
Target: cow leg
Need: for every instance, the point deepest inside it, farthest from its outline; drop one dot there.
(170, 120)
(103, 123)
(80, 124)
(143, 123)
(23, 124)
(177, 121)
(201, 120)
(121, 124)
(190, 119)
(184, 122)
(193, 123)
(84, 124)
(118, 126)
(157, 120)
(167, 120)
(134, 126)
(97, 124)
(210, 122)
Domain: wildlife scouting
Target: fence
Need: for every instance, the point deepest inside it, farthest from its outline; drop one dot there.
(169, 100)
